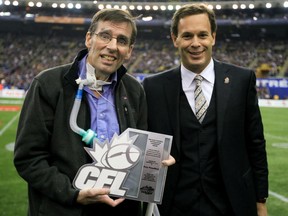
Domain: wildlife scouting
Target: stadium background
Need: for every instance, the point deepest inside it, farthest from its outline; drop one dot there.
(35, 36)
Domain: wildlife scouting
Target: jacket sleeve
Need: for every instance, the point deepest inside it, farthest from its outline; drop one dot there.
(32, 157)
(256, 141)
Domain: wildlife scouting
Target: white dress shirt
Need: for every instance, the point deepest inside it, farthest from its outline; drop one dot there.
(188, 86)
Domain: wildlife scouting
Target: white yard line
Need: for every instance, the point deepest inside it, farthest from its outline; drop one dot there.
(11, 101)
(9, 124)
(278, 196)
(282, 138)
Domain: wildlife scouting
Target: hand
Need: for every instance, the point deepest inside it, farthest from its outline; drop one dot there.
(95, 195)
(170, 161)
(262, 209)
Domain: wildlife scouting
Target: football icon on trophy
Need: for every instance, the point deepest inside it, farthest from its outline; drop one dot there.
(122, 156)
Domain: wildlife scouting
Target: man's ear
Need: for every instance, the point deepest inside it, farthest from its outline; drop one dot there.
(174, 39)
(214, 38)
(128, 55)
(88, 40)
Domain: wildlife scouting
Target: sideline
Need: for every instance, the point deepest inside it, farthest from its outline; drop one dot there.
(278, 196)
(9, 124)
(282, 138)
(16, 101)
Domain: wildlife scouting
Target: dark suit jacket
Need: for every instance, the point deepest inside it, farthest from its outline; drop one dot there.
(240, 139)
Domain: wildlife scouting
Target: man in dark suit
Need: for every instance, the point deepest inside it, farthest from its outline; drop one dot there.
(218, 142)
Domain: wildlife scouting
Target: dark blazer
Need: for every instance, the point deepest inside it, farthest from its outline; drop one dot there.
(240, 139)
(48, 153)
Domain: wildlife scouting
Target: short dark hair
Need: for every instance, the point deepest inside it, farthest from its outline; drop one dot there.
(193, 9)
(114, 15)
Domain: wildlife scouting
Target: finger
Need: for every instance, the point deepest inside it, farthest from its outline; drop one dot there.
(170, 161)
(109, 201)
(98, 191)
(118, 201)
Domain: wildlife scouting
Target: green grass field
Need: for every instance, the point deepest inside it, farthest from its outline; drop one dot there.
(13, 199)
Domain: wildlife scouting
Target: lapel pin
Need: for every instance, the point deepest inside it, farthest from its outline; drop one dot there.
(226, 80)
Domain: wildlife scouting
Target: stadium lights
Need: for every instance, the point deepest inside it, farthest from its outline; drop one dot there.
(268, 5)
(243, 6)
(177, 7)
(140, 5)
(131, 7)
(218, 7)
(31, 4)
(70, 5)
(39, 4)
(7, 2)
(62, 5)
(15, 3)
(210, 6)
(170, 7)
(78, 6)
(124, 7)
(155, 7)
(147, 7)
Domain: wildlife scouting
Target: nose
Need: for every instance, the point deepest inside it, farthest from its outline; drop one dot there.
(195, 42)
(112, 44)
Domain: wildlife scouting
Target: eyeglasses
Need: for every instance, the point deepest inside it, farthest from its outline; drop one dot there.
(106, 38)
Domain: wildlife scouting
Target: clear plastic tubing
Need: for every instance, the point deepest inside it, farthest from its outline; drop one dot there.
(89, 135)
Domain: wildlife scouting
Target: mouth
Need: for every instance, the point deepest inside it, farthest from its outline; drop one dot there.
(196, 54)
(108, 58)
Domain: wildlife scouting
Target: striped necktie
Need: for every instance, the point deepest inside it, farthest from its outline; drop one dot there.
(200, 101)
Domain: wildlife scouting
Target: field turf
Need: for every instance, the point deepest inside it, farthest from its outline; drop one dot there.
(13, 190)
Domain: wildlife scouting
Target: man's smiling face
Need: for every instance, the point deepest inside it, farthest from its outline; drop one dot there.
(195, 41)
(107, 57)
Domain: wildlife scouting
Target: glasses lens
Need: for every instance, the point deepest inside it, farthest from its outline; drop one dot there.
(106, 38)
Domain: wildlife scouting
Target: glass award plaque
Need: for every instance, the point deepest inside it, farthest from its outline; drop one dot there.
(130, 165)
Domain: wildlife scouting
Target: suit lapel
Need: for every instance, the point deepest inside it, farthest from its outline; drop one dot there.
(172, 87)
(223, 81)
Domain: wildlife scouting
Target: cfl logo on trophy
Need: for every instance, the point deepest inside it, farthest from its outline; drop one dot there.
(112, 162)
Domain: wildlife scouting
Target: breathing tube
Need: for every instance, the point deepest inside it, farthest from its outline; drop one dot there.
(89, 135)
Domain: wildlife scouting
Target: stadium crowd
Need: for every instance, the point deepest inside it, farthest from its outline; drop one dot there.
(23, 56)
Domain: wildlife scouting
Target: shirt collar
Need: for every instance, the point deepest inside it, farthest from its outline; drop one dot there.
(188, 76)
